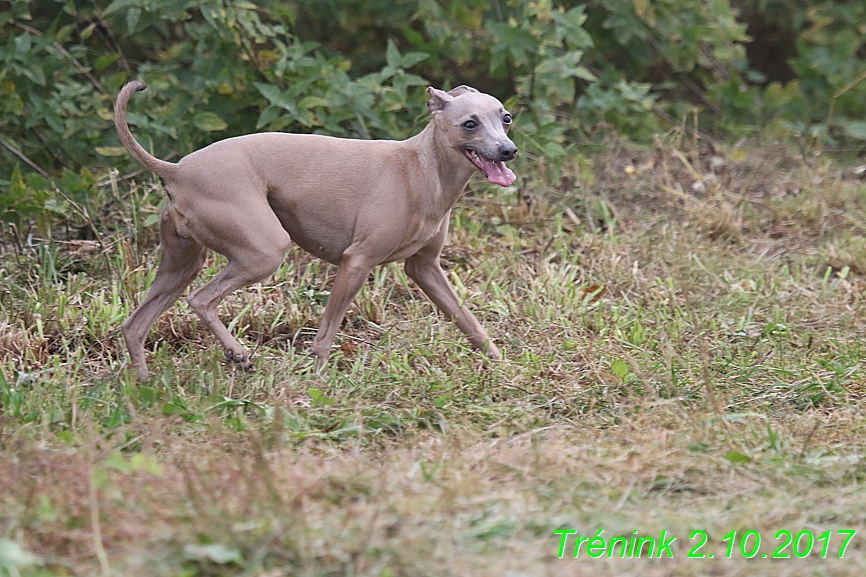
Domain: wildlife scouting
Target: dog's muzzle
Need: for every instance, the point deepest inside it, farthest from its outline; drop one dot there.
(494, 168)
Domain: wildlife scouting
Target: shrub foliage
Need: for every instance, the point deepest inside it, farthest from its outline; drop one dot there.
(219, 68)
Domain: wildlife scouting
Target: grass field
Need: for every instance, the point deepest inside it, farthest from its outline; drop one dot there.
(682, 332)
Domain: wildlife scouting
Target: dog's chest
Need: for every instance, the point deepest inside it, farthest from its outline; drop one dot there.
(416, 236)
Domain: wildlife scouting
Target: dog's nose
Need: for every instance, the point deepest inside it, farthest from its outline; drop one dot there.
(507, 151)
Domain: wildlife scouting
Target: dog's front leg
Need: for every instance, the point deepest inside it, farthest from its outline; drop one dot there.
(430, 277)
(355, 267)
(423, 267)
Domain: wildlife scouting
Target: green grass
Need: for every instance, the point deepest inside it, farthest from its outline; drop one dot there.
(682, 334)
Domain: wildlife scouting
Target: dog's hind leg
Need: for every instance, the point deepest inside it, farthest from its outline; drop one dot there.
(181, 260)
(255, 248)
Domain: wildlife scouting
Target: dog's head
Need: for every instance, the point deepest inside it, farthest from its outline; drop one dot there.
(477, 124)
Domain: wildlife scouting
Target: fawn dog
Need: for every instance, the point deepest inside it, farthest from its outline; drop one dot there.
(352, 203)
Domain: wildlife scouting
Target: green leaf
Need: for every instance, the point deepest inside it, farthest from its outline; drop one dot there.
(555, 150)
(64, 34)
(132, 17)
(22, 43)
(410, 59)
(169, 409)
(392, 55)
(584, 74)
(619, 368)
(319, 398)
(276, 97)
(415, 80)
(115, 6)
(311, 102)
(88, 31)
(737, 457)
(268, 115)
(105, 61)
(855, 129)
(35, 74)
(209, 122)
(57, 205)
(110, 150)
(570, 27)
(17, 188)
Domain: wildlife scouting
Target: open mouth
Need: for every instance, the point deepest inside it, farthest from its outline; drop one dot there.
(495, 170)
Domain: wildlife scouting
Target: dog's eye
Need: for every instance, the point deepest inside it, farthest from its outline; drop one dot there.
(506, 119)
(470, 125)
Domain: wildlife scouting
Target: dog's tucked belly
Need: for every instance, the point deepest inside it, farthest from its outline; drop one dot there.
(326, 240)
(317, 236)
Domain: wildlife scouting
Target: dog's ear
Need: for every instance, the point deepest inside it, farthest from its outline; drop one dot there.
(462, 89)
(438, 100)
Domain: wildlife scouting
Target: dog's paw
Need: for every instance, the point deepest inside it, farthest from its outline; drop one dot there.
(493, 353)
(141, 374)
(241, 360)
(489, 349)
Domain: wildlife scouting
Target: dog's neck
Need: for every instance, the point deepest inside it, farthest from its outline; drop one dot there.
(439, 158)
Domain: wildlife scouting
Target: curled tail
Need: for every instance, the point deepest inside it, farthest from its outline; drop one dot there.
(147, 160)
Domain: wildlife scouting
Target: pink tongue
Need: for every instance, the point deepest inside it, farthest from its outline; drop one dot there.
(497, 172)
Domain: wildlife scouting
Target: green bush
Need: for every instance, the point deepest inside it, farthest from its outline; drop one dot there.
(216, 69)
(219, 68)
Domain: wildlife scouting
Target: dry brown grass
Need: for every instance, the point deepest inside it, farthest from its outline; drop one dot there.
(461, 504)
